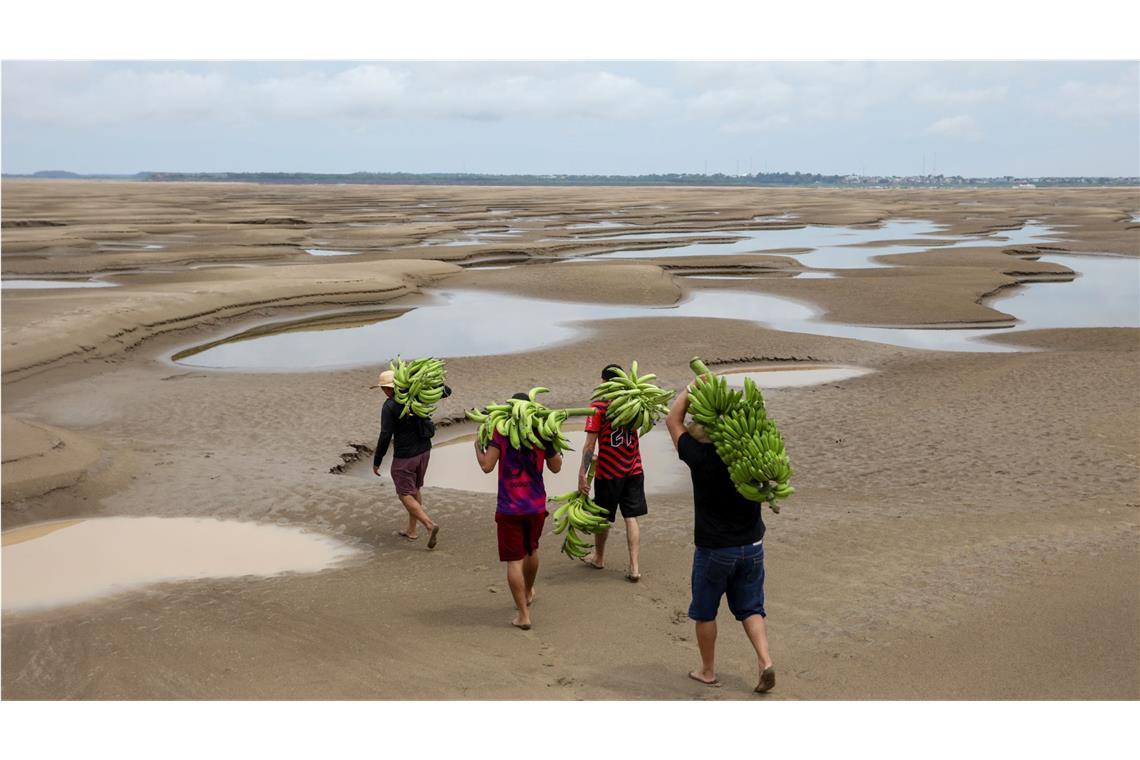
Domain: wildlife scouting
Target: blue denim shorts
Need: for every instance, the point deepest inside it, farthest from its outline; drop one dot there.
(737, 572)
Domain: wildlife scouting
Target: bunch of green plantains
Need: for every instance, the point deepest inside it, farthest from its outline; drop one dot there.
(525, 422)
(578, 513)
(419, 385)
(634, 402)
(747, 439)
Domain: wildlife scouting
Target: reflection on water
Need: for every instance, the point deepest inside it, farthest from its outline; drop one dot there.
(475, 323)
(50, 565)
(7, 284)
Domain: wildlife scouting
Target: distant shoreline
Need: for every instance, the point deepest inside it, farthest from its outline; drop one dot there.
(767, 180)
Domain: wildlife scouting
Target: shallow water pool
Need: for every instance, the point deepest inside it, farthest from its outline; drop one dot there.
(7, 284)
(792, 376)
(55, 564)
(832, 247)
(475, 323)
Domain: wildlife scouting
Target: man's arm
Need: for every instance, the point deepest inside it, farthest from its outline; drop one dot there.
(587, 458)
(675, 420)
(554, 463)
(488, 457)
(387, 426)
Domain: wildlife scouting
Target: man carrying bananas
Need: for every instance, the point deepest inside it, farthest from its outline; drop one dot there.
(619, 480)
(521, 510)
(729, 556)
(412, 435)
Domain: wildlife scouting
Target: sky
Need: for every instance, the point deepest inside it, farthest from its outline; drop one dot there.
(578, 117)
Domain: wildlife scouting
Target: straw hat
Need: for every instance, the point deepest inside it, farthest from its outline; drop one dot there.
(387, 380)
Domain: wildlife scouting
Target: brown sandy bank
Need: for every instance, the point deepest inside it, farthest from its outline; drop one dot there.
(965, 525)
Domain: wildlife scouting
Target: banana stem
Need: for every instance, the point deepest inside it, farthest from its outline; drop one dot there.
(698, 367)
(584, 411)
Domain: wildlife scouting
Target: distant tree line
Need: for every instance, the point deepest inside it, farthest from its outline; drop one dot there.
(760, 179)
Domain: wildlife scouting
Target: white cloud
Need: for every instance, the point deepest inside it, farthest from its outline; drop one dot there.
(936, 94)
(956, 127)
(1094, 102)
(366, 91)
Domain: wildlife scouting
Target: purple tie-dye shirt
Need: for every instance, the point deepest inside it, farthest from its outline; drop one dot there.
(521, 490)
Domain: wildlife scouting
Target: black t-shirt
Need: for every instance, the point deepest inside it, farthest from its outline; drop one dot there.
(723, 517)
(413, 434)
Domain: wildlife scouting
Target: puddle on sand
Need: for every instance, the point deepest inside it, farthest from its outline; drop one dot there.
(833, 247)
(481, 323)
(1106, 293)
(453, 465)
(328, 252)
(53, 284)
(604, 224)
(476, 237)
(769, 275)
(792, 376)
(55, 564)
(127, 246)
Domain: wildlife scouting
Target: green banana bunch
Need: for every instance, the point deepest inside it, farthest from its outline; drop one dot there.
(525, 422)
(578, 513)
(419, 385)
(746, 438)
(634, 401)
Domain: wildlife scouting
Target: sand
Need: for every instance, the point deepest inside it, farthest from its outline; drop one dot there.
(965, 525)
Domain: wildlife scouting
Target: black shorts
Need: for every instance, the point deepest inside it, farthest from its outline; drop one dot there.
(628, 493)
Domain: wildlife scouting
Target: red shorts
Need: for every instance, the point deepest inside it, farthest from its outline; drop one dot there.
(408, 474)
(518, 535)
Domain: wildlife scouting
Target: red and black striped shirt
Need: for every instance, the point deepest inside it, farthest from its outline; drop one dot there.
(619, 454)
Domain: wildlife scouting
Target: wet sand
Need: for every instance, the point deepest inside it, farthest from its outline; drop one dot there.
(965, 524)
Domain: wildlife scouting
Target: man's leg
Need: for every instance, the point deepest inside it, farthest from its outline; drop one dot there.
(597, 558)
(516, 579)
(605, 495)
(530, 572)
(416, 511)
(421, 473)
(706, 643)
(757, 631)
(633, 540)
(412, 521)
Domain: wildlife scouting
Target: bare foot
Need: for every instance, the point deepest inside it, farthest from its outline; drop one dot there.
(592, 561)
(767, 680)
(530, 599)
(519, 622)
(700, 676)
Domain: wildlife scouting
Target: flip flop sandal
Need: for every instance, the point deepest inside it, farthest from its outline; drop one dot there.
(405, 536)
(433, 537)
(632, 578)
